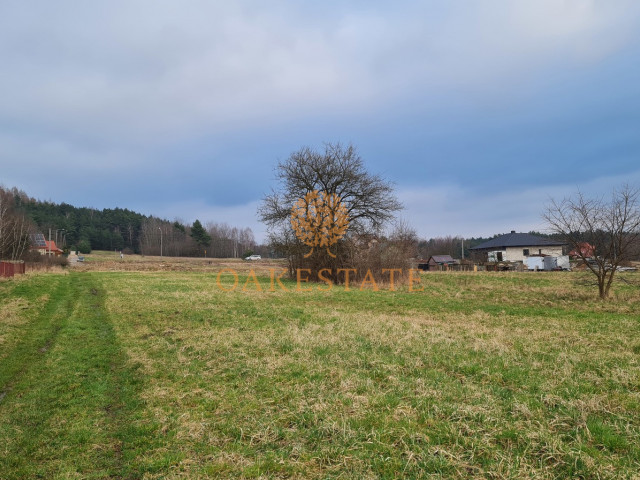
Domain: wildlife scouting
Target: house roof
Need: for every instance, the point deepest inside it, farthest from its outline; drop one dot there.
(514, 239)
(37, 240)
(49, 245)
(442, 258)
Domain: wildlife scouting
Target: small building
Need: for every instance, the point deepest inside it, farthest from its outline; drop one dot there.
(44, 247)
(515, 247)
(437, 262)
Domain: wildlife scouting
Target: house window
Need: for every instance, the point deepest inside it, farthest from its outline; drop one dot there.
(525, 252)
(499, 256)
(539, 251)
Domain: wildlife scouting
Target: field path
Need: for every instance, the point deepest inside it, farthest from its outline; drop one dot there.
(66, 395)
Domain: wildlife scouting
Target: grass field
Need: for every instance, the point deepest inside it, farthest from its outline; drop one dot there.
(147, 368)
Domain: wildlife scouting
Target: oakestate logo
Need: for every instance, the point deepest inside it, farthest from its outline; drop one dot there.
(319, 220)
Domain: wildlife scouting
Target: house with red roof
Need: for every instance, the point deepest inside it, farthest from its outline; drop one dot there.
(44, 247)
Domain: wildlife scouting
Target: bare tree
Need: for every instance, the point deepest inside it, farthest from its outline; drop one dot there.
(149, 236)
(441, 246)
(612, 227)
(400, 247)
(172, 237)
(14, 228)
(229, 242)
(337, 172)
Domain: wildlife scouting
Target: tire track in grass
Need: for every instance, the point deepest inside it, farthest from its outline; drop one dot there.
(39, 334)
(71, 410)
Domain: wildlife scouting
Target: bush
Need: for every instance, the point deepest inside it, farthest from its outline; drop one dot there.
(32, 256)
(59, 260)
(45, 261)
(84, 246)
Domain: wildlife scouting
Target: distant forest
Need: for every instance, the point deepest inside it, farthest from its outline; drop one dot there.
(124, 230)
(108, 229)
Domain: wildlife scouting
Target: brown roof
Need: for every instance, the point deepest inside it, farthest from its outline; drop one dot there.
(442, 259)
(49, 245)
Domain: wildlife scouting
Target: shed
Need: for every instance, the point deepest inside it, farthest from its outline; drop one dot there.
(437, 262)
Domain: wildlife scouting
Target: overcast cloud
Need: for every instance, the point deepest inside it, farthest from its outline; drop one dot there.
(478, 111)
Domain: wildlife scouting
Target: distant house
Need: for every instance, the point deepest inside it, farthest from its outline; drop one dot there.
(515, 247)
(437, 262)
(44, 247)
(585, 250)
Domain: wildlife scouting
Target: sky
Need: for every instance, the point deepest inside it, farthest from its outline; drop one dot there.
(479, 111)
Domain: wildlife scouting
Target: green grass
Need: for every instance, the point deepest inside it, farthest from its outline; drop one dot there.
(164, 375)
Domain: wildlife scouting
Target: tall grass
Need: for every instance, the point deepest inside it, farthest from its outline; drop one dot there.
(479, 375)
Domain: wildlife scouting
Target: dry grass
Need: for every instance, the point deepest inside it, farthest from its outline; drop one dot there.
(312, 384)
(111, 261)
(13, 317)
(492, 375)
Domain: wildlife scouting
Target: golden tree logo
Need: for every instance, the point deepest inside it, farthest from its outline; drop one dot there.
(319, 220)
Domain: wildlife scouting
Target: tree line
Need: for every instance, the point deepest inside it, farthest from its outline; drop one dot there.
(216, 240)
(118, 229)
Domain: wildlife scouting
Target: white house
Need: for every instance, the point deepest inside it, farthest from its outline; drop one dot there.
(515, 247)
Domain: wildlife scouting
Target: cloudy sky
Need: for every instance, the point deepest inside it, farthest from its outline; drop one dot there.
(478, 111)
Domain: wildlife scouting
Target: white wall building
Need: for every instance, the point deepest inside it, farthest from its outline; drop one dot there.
(515, 247)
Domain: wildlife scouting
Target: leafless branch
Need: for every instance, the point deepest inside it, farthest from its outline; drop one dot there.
(611, 228)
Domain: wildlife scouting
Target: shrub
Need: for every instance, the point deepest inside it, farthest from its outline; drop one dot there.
(44, 261)
(84, 246)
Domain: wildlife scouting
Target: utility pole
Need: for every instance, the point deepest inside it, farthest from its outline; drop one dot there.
(160, 241)
(463, 249)
(49, 244)
(58, 230)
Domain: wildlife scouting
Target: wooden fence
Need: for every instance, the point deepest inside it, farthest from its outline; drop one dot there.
(456, 267)
(9, 269)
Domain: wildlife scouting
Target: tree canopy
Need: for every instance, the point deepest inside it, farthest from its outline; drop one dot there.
(199, 234)
(320, 190)
(337, 170)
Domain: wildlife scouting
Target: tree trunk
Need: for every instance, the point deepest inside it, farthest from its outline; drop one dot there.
(603, 291)
(608, 284)
(602, 282)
